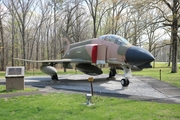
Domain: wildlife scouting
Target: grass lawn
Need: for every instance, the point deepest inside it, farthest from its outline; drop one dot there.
(3, 90)
(64, 106)
(166, 75)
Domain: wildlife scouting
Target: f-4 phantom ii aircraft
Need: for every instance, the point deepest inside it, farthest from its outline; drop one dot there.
(112, 49)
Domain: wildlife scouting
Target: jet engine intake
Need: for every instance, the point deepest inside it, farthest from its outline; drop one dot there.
(89, 69)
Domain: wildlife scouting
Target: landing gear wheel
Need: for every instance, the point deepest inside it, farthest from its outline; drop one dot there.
(54, 77)
(124, 82)
(112, 73)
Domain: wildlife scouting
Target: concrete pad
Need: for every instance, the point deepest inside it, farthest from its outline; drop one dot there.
(140, 88)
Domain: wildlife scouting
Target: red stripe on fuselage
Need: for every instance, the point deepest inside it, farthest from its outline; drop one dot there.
(94, 54)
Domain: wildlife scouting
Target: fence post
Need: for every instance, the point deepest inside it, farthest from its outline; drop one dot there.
(160, 74)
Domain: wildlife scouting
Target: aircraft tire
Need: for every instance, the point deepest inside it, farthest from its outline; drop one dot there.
(112, 72)
(124, 82)
(55, 77)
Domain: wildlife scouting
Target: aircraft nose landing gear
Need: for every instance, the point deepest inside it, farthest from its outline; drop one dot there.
(125, 82)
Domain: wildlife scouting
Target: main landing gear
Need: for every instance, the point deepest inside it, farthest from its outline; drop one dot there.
(54, 77)
(125, 82)
(112, 73)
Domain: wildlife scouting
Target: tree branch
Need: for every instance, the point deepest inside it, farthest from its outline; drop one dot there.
(168, 4)
(166, 24)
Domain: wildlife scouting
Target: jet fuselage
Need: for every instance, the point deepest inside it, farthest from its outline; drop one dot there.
(112, 49)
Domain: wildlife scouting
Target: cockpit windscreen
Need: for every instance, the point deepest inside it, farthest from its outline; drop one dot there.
(115, 39)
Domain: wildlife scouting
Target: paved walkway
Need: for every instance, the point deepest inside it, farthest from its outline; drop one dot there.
(140, 88)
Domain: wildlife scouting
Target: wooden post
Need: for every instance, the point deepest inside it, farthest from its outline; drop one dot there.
(160, 74)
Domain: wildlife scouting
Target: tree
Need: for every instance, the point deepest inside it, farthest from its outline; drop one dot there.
(37, 23)
(22, 8)
(112, 20)
(2, 43)
(80, 22)
(174, 6)
(95, 7)
(2, 59)
(75, 20)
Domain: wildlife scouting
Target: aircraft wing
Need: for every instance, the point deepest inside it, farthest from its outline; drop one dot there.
(55, 61)
(83, 66)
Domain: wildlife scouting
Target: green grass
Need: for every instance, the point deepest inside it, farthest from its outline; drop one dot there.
(166, 75)
(2, 74)
(61, 106)
(3, 90)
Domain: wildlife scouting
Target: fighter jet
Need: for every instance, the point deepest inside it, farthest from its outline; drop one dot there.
(109, 49)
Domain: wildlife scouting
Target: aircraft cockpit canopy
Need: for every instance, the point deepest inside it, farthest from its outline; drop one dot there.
(115, 39)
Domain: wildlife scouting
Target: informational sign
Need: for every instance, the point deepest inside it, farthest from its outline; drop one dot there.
(14, 71)
(14, 78)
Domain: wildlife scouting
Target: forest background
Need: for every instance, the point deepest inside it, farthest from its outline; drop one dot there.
(36, 29)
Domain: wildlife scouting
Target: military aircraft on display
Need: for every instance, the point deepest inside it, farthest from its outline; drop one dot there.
(114, 50)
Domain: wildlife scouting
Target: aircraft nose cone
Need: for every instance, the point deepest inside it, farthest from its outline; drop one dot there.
(138, 56)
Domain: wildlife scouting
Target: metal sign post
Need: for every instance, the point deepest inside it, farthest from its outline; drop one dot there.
(91, 79)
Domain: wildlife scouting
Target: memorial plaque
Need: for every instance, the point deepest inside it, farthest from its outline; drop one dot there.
(15, 71)
(14, 78)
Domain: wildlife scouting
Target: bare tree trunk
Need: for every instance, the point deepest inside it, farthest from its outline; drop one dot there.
(23, 42)
(12, 34)
(37, 52)
(174, 37)
(134, 42)
(113, 18)
(170, 55)
(2, 45)
(47, 41)
(37, 48)
(55, 36)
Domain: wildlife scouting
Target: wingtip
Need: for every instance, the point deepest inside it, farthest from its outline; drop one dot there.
(24, 60)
